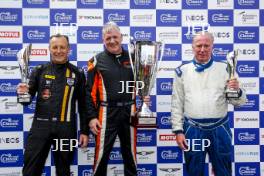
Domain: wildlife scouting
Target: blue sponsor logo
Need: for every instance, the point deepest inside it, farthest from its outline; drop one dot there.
(261, 86)
(36, 4)
(246, 4)
(8, 87)
(246, 34)
(10, 122)
(64, 16)
(261, 51)
(8, 52)
(252, 104)
(164, 86)
(194, 4)
(38, 34)
(261, 19)
(85, 170)
(146, 138)
(146, 169)
(246, 136)
(172, 52)
(220, 18)
(247, 169)
(46, 171)
(120, 17)
(145, 33)
(73, 52)
(262, 149)
(89, 35)
(168, 18)
(11, 158)
(169, 155)
(30, 109)
(220, 51)
(115, 156)
(248, 68)
(91, 4)
(142, 4)
(10, 16)
(164, 120)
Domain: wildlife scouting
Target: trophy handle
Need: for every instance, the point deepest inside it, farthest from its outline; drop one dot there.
(129, 48)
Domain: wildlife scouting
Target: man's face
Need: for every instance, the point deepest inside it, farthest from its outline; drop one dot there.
(112, 41)
(59, 50)
(202, 48)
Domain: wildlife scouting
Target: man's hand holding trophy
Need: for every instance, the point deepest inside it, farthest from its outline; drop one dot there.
(232, 88)
(22, 89)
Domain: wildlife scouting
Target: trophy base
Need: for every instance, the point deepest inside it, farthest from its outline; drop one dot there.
(144, 121)
(24, 98)
(232, 94)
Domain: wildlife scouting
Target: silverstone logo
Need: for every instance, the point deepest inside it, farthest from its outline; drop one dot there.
(247, 171)
(166, 120)
(220, 52)
(144, 172)
(194, 2)
(168, 154)
(168, 18)
(8, 17)
(145, 153)
(219, 17)
(116, 171)
(246, 2)
(169, 35)
(115, 155)
(116, 17)
(221, 1)
(144, 138)
(143, 18)
(247, 17)
(142, 2)
(246, 35)
(36, 1)
(62, 18)
(89, 2)
(246, 69)
(8, 52)
(90, 35)
(170, 170)
(9, 34)
(246, 137)
(7, 87)
(35, 34)
(9, 123)
(142, 35)
(9, 158)
(87, 172)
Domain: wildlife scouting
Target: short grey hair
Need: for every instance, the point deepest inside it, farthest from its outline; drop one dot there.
(109, 26)
(206, 33)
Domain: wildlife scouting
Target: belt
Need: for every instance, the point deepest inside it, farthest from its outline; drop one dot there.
(206, 124)
(117, 103)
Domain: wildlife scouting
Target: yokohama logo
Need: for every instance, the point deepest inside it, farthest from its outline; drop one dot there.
(9, 34)
(39, 52)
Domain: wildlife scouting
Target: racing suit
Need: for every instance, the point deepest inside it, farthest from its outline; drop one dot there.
(58, 86)
(199, 110)
(113, 107)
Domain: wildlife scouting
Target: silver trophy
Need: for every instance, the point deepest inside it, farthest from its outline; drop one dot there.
(231, 68)
(147, 58)
(23, 61)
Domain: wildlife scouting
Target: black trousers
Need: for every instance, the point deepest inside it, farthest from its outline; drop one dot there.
(115, 121)
(41, 137)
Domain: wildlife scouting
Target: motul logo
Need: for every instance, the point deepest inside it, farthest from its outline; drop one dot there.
(9, 34)
(39, 52)
(167, 137)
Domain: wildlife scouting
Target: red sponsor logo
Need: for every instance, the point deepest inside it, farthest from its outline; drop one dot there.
(9, 34)
(167, 137)
(39, 52)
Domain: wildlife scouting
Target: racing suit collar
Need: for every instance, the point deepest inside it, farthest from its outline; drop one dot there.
(115, 55)
(201, 67)
(59, 66)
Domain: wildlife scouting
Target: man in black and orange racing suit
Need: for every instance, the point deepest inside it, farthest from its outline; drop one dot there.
(58, 85)
(110, 105)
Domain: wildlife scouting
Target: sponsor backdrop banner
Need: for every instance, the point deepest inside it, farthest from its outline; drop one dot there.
(237, 24)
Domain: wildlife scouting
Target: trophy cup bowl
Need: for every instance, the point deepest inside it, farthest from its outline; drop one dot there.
(231, 68)
(147, 57)
(23, 61)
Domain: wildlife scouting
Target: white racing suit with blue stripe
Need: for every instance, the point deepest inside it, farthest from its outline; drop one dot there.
(199, 110)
